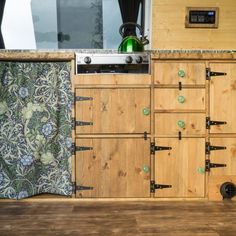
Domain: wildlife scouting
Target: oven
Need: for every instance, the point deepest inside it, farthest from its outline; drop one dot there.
(135, 63)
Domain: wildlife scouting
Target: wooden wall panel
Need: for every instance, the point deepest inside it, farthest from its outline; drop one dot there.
(169, 32)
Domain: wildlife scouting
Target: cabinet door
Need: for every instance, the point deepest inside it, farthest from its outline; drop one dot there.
(113, 110)
(226, 156)
(174, 99)
(180, 167)
(186, 123)
(223, 97)
(173, 73)
(114, 167)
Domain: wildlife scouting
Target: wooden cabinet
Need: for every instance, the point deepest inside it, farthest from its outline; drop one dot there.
(223, 97)
(113, 126)
(223, 133)
(179, 167)
(139, 136)
(113, 167)
(113, 110)
(179, 129)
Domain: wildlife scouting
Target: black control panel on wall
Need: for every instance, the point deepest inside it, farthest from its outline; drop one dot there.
(201, 17)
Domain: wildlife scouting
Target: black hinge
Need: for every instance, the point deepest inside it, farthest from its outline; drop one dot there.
(80, 187)
(154, 186)
(210, 148)
(82, 123)
(75, 149)
(210, 165)
(75, 123)
(158, 148)
(210, 73)
(210, 122)
(80, 98)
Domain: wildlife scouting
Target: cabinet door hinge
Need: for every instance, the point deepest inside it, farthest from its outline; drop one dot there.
(80, 98)
(79, 187)
(158, 148)
(210, 148)
(154, 186)
(210, 73)
(210, 122)
(210, 165)
(75, 123)
(75, 148)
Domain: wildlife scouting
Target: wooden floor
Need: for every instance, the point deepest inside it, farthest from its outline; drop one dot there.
(118, 218)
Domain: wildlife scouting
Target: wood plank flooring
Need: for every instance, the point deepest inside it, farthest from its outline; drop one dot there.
(183, 218)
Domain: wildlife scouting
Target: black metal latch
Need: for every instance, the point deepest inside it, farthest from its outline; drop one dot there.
(158, 148)
(154, 186)
(210, 165)
(210, 73)
(210, 122)
(210, 148)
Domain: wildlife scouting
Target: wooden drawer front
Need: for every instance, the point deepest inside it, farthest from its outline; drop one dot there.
(114, 110)
(171, 73)
(186, 123)
(174, 99)
(180, 167)
(114, 167)
(223, 98)
(226, 156)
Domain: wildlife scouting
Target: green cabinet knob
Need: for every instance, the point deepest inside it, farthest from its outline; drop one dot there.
(181, 73)
(146, 169)
(181, 99)
(146, 111)
(181, 123)
(201, 170)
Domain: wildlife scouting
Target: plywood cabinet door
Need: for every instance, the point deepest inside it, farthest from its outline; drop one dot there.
(116, 110)
(223, 97)
(171, 73)
(226, 156)
(115, 167)
(180, 167)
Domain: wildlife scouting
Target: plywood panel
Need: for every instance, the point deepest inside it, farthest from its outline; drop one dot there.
(215, 183)
(223, 97)
(179, 167)
(112, 79)
(186, 123)
(115, 167)
(114, 110)
(171, 99)
(169, 32)
(166, 73)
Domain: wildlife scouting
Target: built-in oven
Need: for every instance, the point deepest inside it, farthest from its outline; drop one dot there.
(136, 63)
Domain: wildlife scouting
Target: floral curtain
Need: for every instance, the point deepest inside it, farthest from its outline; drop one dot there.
(35, 129)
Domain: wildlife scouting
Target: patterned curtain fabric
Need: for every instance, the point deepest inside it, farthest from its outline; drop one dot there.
(35, 129)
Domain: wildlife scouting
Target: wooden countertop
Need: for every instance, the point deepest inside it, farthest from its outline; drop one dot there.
(64, 55)
(27, 55)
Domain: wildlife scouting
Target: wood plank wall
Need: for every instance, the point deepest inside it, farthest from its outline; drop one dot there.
(169, 32)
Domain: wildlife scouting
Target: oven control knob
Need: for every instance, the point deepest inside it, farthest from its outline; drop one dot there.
(87, 60)
(139, 59)
(128, 59)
